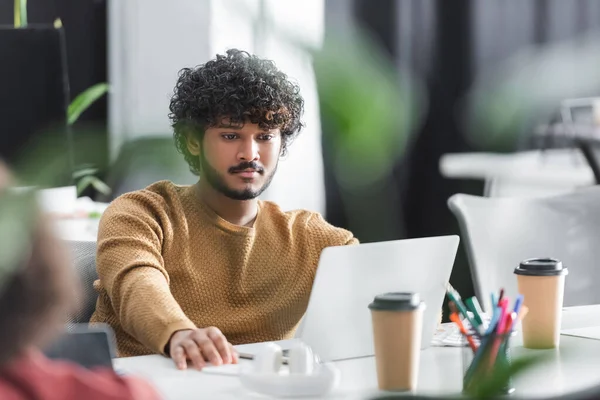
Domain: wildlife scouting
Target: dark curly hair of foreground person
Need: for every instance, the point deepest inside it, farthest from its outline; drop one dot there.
(233, 89)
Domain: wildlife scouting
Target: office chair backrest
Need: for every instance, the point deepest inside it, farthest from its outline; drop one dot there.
(498, 233)
(84, 261)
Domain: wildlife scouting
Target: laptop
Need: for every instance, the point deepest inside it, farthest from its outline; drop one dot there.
(337, 322)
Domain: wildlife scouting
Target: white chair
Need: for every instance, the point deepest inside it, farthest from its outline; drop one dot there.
(498, 233)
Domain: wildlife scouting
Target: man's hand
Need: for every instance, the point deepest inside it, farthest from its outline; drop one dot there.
(201, 346)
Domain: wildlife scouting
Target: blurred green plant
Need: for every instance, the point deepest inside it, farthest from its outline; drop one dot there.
(85, 175)
(371, 106)
(485, 387)
(508, 100)
(20, 14)
(492, 386)
(17, 220)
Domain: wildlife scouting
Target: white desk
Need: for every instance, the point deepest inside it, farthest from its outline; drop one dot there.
(528, 173)
(567, 166)
(77, 229)
(573, 367)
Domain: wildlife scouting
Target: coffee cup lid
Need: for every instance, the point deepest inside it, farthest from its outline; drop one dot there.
(396, 301)
(541, 267)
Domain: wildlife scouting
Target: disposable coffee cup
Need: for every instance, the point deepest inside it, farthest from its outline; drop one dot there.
(542, 283)
(397, 325)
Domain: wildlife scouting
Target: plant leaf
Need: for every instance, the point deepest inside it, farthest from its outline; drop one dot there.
(85, 100)
(492, 386)
(84, 172)
(84, 183)
(23, 13)
(20, 13)
(101, 186)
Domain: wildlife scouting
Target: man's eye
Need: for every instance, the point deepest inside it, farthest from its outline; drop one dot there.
(229, 136)
(266, 137)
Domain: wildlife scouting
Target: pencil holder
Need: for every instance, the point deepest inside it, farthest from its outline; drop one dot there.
(490, 361)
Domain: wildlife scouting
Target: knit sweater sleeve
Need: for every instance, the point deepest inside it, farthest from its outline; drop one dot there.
(324, 234)
(132, 271)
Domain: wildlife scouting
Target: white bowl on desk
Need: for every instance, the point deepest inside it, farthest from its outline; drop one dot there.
(321, 381)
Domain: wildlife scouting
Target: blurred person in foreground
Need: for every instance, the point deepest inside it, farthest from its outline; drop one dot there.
(188, 271)
(37, 291)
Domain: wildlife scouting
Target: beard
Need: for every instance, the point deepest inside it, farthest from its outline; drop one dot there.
(217, 181)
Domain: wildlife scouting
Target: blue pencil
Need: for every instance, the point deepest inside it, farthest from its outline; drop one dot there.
(518, 303)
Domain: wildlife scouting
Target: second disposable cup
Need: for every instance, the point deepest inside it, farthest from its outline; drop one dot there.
(542, 283)
(397, 326)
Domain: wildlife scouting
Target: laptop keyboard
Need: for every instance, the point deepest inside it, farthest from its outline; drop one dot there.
(448, 334)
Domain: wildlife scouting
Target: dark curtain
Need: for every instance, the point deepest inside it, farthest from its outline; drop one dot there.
(446, 43)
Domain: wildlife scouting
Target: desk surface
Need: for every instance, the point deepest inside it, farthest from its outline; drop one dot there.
(555, 166)
(574, 366)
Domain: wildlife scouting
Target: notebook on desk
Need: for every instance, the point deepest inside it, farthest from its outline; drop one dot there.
(592, 332)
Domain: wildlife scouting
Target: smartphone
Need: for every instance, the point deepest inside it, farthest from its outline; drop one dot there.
(90, 346)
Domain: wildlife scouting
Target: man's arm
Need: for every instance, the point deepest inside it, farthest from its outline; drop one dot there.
(131, 269)
(328, 235)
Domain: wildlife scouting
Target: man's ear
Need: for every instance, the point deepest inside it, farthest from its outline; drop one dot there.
(283, 152)
(193, 144)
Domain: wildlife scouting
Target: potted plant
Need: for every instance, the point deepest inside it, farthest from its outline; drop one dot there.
(38, 117)
(86, 175)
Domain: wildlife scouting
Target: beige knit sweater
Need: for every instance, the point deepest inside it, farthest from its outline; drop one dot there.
(167, 262)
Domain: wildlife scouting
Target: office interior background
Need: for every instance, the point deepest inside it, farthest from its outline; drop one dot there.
(456, 76)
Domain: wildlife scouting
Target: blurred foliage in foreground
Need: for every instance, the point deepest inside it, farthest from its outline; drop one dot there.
(506, 102)
(374, 109)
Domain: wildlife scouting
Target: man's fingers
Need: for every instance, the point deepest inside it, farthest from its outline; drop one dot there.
(178, 356)
(221, 344)
(200, 346)
(193, 353)
(234, 354)
(210, 352)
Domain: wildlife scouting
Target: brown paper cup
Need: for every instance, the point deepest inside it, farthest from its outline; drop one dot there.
(397, 340)
(543, 295)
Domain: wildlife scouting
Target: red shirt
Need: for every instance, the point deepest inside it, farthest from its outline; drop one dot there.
(35, 377)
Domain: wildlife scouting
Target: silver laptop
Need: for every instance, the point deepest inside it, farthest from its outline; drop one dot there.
(337, 323)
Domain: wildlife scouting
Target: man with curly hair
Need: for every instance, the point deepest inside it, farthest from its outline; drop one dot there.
(187, 271)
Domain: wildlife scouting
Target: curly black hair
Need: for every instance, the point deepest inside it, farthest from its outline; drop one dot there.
(234, 88)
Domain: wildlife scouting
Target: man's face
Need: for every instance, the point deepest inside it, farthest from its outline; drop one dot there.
(239, 162)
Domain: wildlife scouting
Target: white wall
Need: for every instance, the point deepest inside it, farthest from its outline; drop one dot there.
(299, 182)
(150, 40)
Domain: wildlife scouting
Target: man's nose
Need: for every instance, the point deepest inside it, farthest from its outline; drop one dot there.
(248, 151)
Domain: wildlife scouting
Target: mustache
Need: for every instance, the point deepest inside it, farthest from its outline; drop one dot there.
(246, 165)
